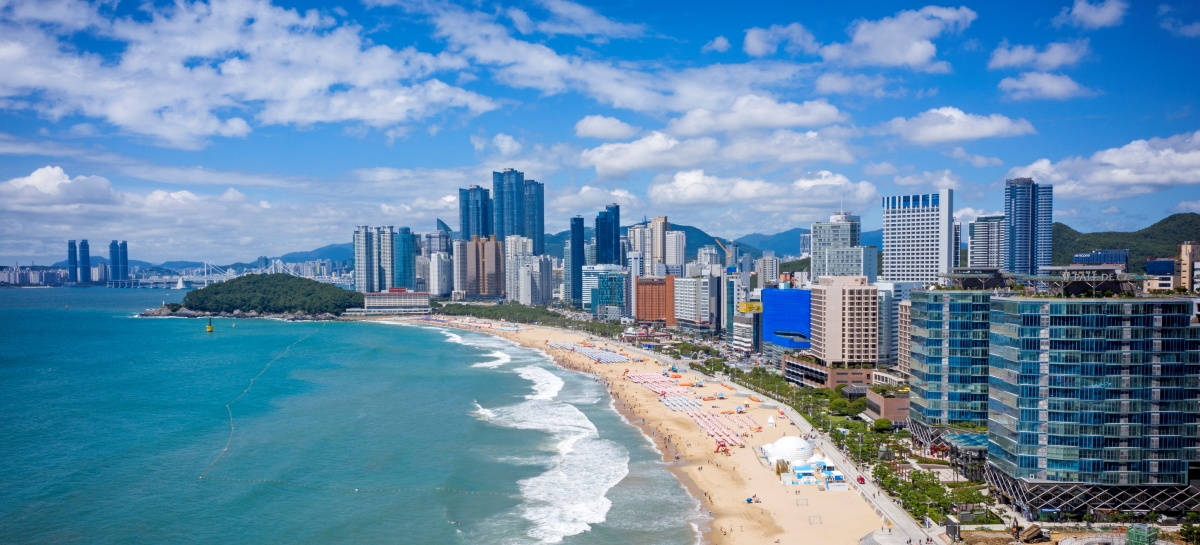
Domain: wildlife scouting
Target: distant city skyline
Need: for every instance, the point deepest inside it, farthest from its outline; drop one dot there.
(754, 118)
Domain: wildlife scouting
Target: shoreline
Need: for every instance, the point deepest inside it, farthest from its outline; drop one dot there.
(720, 484)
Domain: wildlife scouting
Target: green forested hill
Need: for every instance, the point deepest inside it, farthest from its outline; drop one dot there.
(272, 293)
(1159, 240)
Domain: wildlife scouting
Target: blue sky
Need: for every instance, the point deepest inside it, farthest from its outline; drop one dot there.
(228, 129)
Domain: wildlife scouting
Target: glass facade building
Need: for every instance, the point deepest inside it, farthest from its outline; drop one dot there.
(405, 255)
(786, 322)
(1093, 404)
(474, 212)
(948, 359)
(1029, 216)
(72, 262)
(573, 263)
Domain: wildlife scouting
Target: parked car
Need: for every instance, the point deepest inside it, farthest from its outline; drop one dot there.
(861, 480)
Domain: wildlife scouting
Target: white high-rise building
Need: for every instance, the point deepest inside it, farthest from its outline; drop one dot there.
(374, 259)
(676, 248)
(985, 242)
(441, 274)
(515, 245)
(805, 244)
(708, 255)
(364, 242)
(918, 236)
(633, 261)
(853, 261)
(535, 284)
(460, 265)
(591, 280)
(768, 269)
(692, 300)
(843, 230)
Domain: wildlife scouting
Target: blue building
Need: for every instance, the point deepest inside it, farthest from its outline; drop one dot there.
(608, 236)
(518, 208)
(1028, 216)
(474, 213)
(85, 262)
(72, 262)
(1103, 257)
(786, 322)
(1093, 405)
(124, 261)
(535, 215)
(948, 364)
(573, 262)
(405, 257)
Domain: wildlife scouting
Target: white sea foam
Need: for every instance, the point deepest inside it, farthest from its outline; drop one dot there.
(546, 385)
(570, 496)
(500, 359)
(453, 337)
(480, 412)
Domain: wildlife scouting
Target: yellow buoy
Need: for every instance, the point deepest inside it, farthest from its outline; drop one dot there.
(210, 327)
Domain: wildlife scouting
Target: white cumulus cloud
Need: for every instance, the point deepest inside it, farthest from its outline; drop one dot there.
(756, 112)
(760, 42)
(575, 19)
(978, 161)
(719, 44)
(655, 150)
(1042, 85)
(940, 179)
(599, 126)
(950, 124)
(903, 40)
(837, 83)
(1084, 14)
(187, 71)
(1137, 168)
(1056, 55)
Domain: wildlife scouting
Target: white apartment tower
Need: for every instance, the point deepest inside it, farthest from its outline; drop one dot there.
(985, 242)
(441, 274)
(675, 249)
(768, 269)
(918, 236)
(843, 230)
(692, 300)
(374, 258)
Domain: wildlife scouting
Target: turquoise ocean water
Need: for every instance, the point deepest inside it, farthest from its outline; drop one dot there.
(342, 433)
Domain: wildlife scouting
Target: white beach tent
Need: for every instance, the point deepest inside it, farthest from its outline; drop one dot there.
(790, 448)
(770, 421)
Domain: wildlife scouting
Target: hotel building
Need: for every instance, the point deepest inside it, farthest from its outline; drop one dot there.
(918, 238)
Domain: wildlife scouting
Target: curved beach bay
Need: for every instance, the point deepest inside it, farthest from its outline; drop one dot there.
(348, 433)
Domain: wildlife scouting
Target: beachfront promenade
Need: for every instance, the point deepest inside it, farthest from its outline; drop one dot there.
(904, 526)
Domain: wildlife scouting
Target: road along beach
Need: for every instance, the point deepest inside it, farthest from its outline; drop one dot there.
(790, 513)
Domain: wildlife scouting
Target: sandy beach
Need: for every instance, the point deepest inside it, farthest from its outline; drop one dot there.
(788, 514)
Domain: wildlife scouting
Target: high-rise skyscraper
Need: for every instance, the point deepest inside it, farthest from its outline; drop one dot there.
(918, 236)
(1029, 215)
(1080, 419)
(72, 262)
(658, 239)
(85, 262)
(441, 274)
(805, 244)
(475, 212)
(608, 236)
(948, 362)
(406, 259)
(843, 230)
(124, 261)
(768, 269)
(845, 333)
(364, 259)
(462, 286)
(985, 242)
(675, 251)
(436, 241)
(508, 203)
(518, 207)
(376, 261)
(535, 215)
(574, 268)
(114, 260)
